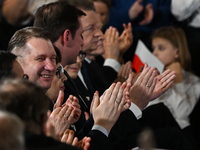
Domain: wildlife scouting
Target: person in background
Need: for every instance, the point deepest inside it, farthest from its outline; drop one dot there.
(170, 47)
(9, 66)
(11, 131)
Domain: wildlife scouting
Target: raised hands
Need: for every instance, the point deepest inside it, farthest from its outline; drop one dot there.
(64, 115)
(148, 15)
(142, 90)
(164, 81)
(135, 9)
(125, 39)
(113, 102)
(124, 72)
(68, 137)
(111, 43)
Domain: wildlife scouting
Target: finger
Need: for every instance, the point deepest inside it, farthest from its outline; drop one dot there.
(112, 35)
(75, 141)
(115, 93)
(87, 116)
(168, 81)
(142, 75)
(64, 110)
(96, 100)
(163, 74)
(65, 136)
(125, 26)
(129, 80)
(59, 100)
(153, 85)
(150, 81)
(120, 93)
(109, 91)
(67, 113)
(168, 76)
(56, 111)
(48, 113)
(147, 78)
(87, 143)
(125, 104)
(70, 137)
(75, 99)
(69, 100)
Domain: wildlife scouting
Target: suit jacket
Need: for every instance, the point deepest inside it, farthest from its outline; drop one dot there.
(42, 142)
(108, 72)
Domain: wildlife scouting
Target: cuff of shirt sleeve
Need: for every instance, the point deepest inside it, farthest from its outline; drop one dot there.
(112, 63)
(136, 110)
(101, 129)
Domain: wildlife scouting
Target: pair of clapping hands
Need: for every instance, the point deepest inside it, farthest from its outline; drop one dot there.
(106, 109)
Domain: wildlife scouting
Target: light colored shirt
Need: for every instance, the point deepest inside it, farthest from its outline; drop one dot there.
(183, 9)
(181, 98)
(101, 129)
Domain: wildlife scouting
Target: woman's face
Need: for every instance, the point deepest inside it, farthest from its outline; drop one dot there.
(57, 83)
(73, 69)
(102, 10)
(164, 51)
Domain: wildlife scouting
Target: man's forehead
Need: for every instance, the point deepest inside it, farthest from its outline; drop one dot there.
(40, 46)
(89, 19)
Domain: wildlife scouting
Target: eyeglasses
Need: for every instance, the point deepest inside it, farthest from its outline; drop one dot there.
(25, 77)
(59, 71)
(82, 55)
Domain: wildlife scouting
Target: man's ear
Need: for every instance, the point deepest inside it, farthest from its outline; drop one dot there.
(67, 37)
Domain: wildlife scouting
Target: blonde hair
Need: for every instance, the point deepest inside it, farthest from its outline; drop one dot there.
(177, 38)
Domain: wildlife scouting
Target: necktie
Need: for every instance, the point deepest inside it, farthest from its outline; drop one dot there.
(87, 80)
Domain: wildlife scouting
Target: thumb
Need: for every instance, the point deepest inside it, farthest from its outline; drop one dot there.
(86, 115)
(59, 100)
(48, 113)
(96, 100)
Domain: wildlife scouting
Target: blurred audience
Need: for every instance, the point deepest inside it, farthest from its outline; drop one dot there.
(11, 131)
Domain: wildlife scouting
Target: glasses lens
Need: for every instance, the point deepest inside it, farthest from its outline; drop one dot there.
(58, 72)
(82, 55)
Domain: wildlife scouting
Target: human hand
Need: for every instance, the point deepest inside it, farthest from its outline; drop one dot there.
(142, 89)
(87, 116)
(50, 131)
(164, 81)
(176, 66)
(113, 102)
(59, 119)
(135, 9)
(148, 15)
(68, 137)
(73, 102)
(124, 72)
(111, 43)
(126, 38)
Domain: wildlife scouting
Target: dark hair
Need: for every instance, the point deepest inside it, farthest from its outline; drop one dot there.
(58, 54)
(25, 99)
(57, 17)
(86, 5)
(21, 37)
(107, 2)
(6, 64)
